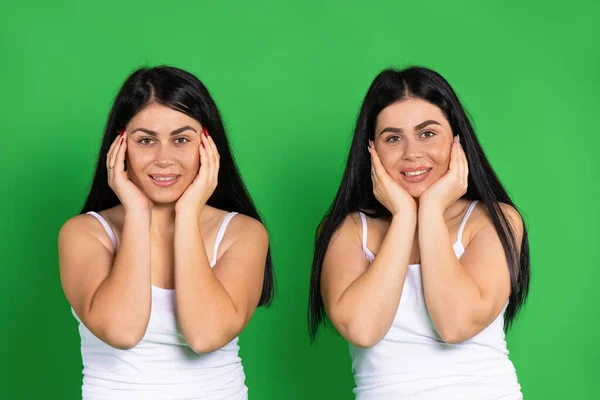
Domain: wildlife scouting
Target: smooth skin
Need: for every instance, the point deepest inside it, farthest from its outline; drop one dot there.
(165, 238)
(463, 296)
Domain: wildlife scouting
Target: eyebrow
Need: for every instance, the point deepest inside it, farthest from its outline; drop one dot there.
(153, 133)
(417, 127)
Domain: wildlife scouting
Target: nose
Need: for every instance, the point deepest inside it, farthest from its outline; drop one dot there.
(412, 150)
(163, 157)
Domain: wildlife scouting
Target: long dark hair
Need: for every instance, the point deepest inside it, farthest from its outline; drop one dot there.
(181, 91)
(356, 193)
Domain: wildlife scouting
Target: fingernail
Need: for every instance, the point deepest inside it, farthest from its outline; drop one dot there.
(122, 132)
(206, 132)
(202, 143)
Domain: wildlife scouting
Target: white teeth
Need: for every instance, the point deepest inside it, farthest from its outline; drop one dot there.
(161, 179)
(416, 173)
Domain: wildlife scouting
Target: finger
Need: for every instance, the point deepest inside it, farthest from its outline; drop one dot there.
(215, 159)
(204, 159)
(374, 181)
(211, 162)
(209, 147)
(111, 149)
(453, 166)
(119, 165)
(210, 151)
(378, 167)
(374, 176)
(114, 153)
(465, 163)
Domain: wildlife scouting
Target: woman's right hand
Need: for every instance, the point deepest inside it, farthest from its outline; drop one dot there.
(386, 190)
(129, 194)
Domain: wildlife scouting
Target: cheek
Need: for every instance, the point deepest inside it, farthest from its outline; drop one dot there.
(440, 155)
(388, 156)
(136, 159)
(190, 160)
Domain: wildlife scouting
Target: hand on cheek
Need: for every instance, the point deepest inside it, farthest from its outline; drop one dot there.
(205, 182)
(453, 185)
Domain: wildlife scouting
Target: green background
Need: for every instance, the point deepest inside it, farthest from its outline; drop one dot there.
(289, 80)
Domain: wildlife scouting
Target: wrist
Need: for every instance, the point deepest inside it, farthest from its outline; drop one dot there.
(405, 216)
(430, 208)
(406, 210)
(185, 212)
(137, 213)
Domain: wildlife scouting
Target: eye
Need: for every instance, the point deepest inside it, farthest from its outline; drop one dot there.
(393, 139)
(428, 134)
(181, 140)
(145, 141)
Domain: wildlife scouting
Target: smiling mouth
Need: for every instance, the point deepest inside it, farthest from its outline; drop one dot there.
(164, 178)
(416, 173)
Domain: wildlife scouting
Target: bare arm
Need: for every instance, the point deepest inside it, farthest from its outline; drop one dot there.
(111, 295)
(214, 305)
(361, 300)
(464, 297)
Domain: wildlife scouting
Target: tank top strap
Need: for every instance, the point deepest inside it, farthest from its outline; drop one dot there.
(464, 221)
(363, 222)
(220, 235)
(107, 228)
(368, 253)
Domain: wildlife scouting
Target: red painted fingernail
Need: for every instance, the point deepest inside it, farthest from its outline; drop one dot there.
(122, 132)
(206, 132)
(202, 143)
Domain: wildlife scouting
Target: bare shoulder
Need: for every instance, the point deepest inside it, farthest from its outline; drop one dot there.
(483, 220)
(81, 228)
(244, 226)
(513, 216)
(243, 236)
(351, 226)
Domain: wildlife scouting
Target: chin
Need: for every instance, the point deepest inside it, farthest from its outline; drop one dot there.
(166, 197)
(416, 193)
(413, 189)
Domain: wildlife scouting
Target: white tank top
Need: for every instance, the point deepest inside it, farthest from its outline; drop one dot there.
(412, 361)
(162, 365)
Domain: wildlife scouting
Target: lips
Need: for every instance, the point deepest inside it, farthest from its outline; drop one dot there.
(415, 174)
(164, 179)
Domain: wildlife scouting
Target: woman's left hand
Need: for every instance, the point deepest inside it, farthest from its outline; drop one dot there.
(205, 183)
(453, 185)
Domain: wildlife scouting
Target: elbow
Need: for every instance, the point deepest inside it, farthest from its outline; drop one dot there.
(452, 336)
(202, 345)
(454, 332)
(364, 341)
(361, 336)
(205, 344)
(123, 339)
(208, 342)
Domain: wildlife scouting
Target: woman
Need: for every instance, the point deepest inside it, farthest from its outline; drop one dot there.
(422, 259)
(168, 259)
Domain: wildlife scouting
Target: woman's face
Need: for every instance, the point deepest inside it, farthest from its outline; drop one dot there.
(413, 140)
(162, 152)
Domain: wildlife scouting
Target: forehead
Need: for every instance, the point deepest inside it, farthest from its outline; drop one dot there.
(159, 118)
(410, 112)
